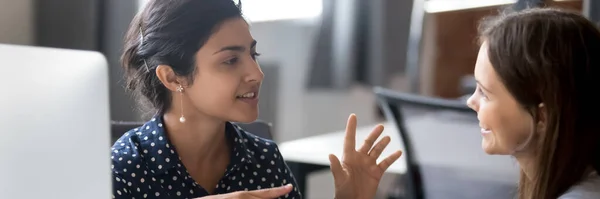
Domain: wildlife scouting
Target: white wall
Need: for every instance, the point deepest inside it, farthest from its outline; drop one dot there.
(17, 22)
(302, 113)
(287, 44)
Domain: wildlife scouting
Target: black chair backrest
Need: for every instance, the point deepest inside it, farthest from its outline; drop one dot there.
(259, 128)
(393, 104)
(118, 128)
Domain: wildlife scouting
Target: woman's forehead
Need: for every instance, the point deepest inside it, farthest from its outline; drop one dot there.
(483, 68)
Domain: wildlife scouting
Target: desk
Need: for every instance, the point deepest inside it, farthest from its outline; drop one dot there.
(319, 147)
(440, 140)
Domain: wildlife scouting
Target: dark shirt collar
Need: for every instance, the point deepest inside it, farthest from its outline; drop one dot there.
(160, 155)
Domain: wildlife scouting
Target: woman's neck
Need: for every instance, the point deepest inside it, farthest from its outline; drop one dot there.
(526, 163)
(198, 139)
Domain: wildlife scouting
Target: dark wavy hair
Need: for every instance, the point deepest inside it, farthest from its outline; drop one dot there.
(169, 32)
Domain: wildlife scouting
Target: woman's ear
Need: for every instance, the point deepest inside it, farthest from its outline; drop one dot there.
(542, 119)
(167, 77)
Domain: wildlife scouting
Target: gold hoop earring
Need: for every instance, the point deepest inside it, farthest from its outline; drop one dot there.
(180, 90)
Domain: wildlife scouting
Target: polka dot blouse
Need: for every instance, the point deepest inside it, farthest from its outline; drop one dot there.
(146, 165)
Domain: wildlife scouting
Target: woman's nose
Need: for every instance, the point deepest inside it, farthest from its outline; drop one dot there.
(255, 73)
(472, 103)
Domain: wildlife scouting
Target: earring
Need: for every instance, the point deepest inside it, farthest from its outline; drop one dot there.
(180, 90)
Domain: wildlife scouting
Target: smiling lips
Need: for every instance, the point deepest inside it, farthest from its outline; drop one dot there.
(247, 95)
(485, 131)
(250, 97)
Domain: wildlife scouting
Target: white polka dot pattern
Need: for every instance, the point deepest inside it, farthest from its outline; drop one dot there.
(146, 165)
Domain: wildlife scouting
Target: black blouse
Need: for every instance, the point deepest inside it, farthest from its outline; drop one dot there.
(146, 165)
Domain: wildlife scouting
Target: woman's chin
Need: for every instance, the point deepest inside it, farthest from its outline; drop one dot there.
(488, 147)
(491, 149)
(245, 118)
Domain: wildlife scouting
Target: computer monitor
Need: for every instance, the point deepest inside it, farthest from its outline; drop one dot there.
(54, 124)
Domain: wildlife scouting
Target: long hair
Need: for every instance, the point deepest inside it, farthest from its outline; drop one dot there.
(547, 56)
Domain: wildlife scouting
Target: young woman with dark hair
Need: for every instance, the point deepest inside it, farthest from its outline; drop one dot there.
(193, 63)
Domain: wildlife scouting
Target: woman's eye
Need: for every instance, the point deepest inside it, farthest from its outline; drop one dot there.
(231, 61)
(235, 60)
(481, 92)
(255, 55)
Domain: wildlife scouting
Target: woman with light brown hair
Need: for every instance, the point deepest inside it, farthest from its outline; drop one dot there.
(537, 81)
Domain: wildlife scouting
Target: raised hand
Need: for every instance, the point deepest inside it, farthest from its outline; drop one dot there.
(256, 194)
(357, 176)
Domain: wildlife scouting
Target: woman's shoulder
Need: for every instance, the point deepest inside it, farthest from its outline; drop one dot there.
(127, 152)
(587, 189)
(255, 142)
(263, 149)
(124, 152)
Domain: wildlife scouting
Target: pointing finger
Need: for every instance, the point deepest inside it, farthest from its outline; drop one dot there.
(350, 139)
(271, 192)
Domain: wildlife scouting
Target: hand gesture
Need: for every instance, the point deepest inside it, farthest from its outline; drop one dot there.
(270, 193)
(358, 174)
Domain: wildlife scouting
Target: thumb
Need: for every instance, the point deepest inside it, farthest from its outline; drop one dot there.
(336, 167)
(271, 192)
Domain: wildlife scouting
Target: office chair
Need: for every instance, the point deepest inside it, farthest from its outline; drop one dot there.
(433, 181)
(259, 128)
(391, 102)
(118, 128)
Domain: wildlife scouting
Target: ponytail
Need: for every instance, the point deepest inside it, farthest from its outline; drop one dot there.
(168, 32)
(140, 80)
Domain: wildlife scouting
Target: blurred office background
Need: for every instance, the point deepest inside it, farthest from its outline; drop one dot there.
(321, 58)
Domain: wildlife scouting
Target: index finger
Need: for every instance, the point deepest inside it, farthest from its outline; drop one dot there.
(350, 139)
(271, 192)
